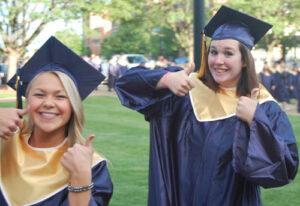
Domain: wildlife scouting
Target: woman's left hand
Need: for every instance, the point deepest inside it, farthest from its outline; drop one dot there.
(246, 107)
(77, 160)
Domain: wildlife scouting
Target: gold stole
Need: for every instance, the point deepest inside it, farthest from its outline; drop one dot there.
(210, 106)
(30, 175)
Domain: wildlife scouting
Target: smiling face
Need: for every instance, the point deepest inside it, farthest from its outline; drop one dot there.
(50, 108)
(225, 62)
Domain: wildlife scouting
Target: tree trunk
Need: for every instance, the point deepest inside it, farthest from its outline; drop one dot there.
(13, 57)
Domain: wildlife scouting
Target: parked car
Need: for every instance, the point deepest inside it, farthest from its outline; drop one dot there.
(181, 61)
(136, 59)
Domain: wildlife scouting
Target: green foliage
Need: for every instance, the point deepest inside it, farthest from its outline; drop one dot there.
(128, 39)
(177, 16)
(282, 14)
(132, 37)
(22, 21)
(71, 39)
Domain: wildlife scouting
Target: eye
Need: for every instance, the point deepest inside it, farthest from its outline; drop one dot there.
(61, 96)
(213, 52)
(228, 53)
(38, 94)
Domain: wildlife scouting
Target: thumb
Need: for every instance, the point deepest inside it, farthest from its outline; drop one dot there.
(254, 93)
(22, 112)
(89, 140)
(190, 69)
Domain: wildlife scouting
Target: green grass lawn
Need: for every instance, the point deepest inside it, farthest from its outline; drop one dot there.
(7, 95)
(122, 136)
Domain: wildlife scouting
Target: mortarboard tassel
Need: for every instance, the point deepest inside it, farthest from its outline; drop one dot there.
(203, 54)
(18, 90)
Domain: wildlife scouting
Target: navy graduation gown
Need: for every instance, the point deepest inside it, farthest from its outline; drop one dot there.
(282, 87)
(267, 81)
(298, 90)
(101, 193)
(220, 162)
(293, 83)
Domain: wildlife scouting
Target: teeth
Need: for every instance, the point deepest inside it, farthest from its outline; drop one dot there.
(221, 70)
(48, 115)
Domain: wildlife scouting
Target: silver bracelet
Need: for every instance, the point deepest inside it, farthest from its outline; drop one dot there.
(80, 189)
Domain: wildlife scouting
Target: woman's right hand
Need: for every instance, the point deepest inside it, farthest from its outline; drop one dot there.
(10, 121)
(178, 82)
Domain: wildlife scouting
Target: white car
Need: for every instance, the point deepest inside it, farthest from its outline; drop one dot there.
(136, 59)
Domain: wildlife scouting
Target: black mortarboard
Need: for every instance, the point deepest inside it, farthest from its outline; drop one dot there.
(54, 55)
(229, 23)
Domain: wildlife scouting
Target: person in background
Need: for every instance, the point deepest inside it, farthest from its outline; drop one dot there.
(96, 62)
(122, 65)
(112, 73)
(86, 58)
(275, 70)
(45, 160)
(161, 63)
(293, 83)
(143, 63)
(265, 77)
(283, 86)
(215, 136)
(298, 86)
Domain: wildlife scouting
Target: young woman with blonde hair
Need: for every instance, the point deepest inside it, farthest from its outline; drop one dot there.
(45, 160)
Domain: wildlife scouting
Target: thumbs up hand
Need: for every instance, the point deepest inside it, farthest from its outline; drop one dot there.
(178, 82)
(246, 106)
(77, 160)
(10, 121)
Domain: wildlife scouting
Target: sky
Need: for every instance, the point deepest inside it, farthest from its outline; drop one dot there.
(50, 30)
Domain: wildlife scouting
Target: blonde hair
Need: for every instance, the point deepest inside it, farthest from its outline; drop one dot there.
(75, 125)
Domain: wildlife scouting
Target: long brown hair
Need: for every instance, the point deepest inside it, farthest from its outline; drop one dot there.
(248, 80)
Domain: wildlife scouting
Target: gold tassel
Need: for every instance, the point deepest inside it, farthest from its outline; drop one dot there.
(203, 62)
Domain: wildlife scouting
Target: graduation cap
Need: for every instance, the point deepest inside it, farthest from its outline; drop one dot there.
(229, 23)
(55, 56)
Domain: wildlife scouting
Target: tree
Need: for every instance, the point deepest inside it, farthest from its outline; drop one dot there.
(176, 15)
(71, 39)
(22, 21)
(282, 14)
(132, 37)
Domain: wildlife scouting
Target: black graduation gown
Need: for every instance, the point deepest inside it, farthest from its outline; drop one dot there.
(204, 163)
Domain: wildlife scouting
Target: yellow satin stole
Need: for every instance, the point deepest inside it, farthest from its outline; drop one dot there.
(210, 106)
(30, 175)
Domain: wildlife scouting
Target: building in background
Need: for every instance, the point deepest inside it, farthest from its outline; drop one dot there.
(100, 28)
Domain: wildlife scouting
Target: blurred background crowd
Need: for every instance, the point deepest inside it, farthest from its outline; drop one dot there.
(282, 80)
(115, 36)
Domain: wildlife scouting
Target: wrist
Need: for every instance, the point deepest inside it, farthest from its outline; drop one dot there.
(81, 179)
(80, 188)
(165, 79)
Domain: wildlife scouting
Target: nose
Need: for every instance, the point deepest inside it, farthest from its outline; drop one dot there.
(219, 59)
(48, 102)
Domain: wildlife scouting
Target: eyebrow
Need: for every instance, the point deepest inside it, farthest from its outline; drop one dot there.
(225, 48)
(42, 90)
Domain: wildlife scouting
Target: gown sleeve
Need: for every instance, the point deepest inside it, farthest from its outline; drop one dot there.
(103, 187)
(137, 88)
(266, 153)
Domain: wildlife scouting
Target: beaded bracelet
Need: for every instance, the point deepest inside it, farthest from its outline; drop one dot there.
(80, 189)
